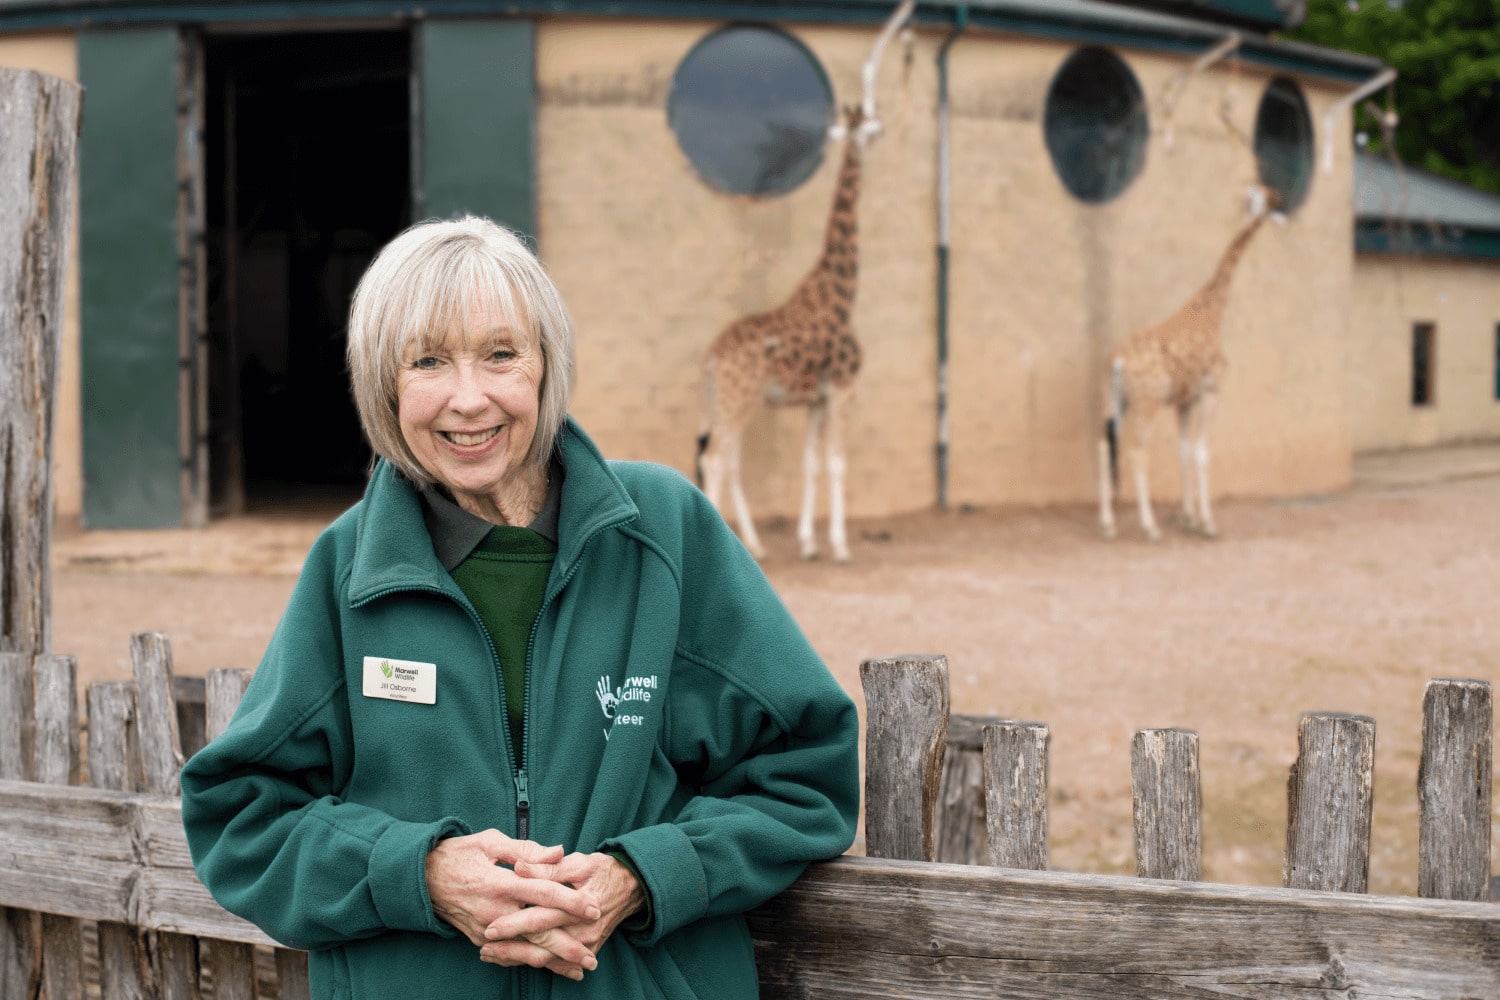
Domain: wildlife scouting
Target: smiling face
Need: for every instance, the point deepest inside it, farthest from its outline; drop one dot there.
(467, 405)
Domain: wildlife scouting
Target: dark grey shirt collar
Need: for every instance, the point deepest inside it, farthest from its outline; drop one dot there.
(456, 533)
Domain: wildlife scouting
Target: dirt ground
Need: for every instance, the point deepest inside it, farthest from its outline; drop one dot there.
(1348, 602)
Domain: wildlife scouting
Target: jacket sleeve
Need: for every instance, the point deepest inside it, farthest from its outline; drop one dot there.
(269, 834)
(762, 730)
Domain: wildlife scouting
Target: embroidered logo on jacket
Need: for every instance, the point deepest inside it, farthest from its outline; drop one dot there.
(634, 689)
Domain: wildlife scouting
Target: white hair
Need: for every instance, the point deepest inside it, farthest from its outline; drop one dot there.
(425, 285)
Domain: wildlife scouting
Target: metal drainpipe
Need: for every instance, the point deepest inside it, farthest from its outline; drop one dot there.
(960, 22)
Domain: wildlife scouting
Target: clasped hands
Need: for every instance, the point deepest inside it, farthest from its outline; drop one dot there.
(525, 904)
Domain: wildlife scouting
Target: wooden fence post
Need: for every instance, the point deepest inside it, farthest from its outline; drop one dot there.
(175, 955)
(39, 118)
(1330, 800)
(1453, 790)
(1168, 804)
(906, 727)
(291, 974)
(232, 963)
(1016, 768)
(961, 836)
(156, 712)
(113, 756)
(57, 764)
(20, 930)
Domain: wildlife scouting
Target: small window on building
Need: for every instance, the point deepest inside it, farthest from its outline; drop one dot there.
(751, 107)
(1095, 125)
(1423, 363)
(1284, 142)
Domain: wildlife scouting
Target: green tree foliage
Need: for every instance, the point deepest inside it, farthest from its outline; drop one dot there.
(1448, 94)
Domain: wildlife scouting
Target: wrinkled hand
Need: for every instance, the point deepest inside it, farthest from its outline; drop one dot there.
(471, 890)
(521, 937)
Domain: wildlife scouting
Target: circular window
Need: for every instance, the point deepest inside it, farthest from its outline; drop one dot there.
(1284, 142)
(1095, 124)
(751, 107)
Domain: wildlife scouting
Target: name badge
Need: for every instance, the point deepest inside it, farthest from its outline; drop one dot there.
(400, 680)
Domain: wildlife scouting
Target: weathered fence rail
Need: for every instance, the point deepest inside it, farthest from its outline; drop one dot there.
(108, 862)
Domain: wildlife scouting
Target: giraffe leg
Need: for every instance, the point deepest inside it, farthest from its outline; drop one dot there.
(1206, 515)
(833, 436)
(748, 534)
(1143, 494)
(1185, 466)
(815, 433)
(711, 465)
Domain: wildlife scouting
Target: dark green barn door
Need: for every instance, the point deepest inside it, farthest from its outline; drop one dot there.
(477, 121)
(132, 307)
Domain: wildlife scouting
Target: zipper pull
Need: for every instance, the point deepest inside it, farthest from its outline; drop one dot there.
(523, 807)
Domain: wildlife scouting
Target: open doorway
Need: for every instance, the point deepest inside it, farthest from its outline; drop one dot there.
(307, 146)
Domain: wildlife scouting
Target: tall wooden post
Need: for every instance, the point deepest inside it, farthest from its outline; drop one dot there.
(39, 118)
(39, 123)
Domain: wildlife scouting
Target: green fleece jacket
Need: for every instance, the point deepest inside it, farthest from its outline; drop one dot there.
(674, 712)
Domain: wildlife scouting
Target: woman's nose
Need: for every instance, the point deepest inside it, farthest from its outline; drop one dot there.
(468, 390)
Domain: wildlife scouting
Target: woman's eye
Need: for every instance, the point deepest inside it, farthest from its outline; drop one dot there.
(502, 354)
(426, 363)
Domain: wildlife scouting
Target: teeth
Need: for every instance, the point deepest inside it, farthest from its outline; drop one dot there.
(469, 440)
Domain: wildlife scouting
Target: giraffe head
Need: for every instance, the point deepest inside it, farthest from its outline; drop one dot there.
(1265, 200)
(858, 124)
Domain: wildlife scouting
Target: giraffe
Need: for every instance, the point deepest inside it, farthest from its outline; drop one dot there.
(802, 353)
(1177, 362)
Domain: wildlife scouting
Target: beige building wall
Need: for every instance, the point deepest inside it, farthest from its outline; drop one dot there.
(1461, 298)
(654, 262)
(1044, 285)
(57, 55)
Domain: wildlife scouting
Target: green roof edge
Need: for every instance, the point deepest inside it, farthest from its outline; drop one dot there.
(1112, 25)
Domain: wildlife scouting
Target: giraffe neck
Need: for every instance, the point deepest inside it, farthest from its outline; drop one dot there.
(840, 259)
(1217, 289)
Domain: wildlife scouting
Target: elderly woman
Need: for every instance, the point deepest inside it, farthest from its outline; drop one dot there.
(533, 722)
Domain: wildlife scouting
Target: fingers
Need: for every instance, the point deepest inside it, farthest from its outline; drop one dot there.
(573, 869)
(516, 953)
(501, 849)
(581, 904)
(546, 930)
(535, 923)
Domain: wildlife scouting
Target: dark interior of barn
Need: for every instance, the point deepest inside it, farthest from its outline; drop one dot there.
(307, 147)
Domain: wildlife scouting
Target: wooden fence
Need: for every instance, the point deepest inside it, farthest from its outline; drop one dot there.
(101, 895)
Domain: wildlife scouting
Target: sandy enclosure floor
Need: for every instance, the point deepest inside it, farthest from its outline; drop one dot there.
(1347, 603)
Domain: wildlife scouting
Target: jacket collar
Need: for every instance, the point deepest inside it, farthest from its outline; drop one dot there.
(393, 550)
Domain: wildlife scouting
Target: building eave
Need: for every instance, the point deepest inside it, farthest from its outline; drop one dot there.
(1076, 21)
(1372, 236)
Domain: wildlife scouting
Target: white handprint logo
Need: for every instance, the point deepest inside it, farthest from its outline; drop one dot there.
(608, 700)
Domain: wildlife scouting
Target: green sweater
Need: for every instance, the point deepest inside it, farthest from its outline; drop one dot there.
(505, 579)
(673, 712)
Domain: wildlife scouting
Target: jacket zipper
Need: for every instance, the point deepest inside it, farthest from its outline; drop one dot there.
(523, 798)
(523, 791)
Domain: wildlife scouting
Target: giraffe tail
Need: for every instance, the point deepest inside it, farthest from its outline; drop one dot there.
(698, 463)
(710, 369)
(1116, 406)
